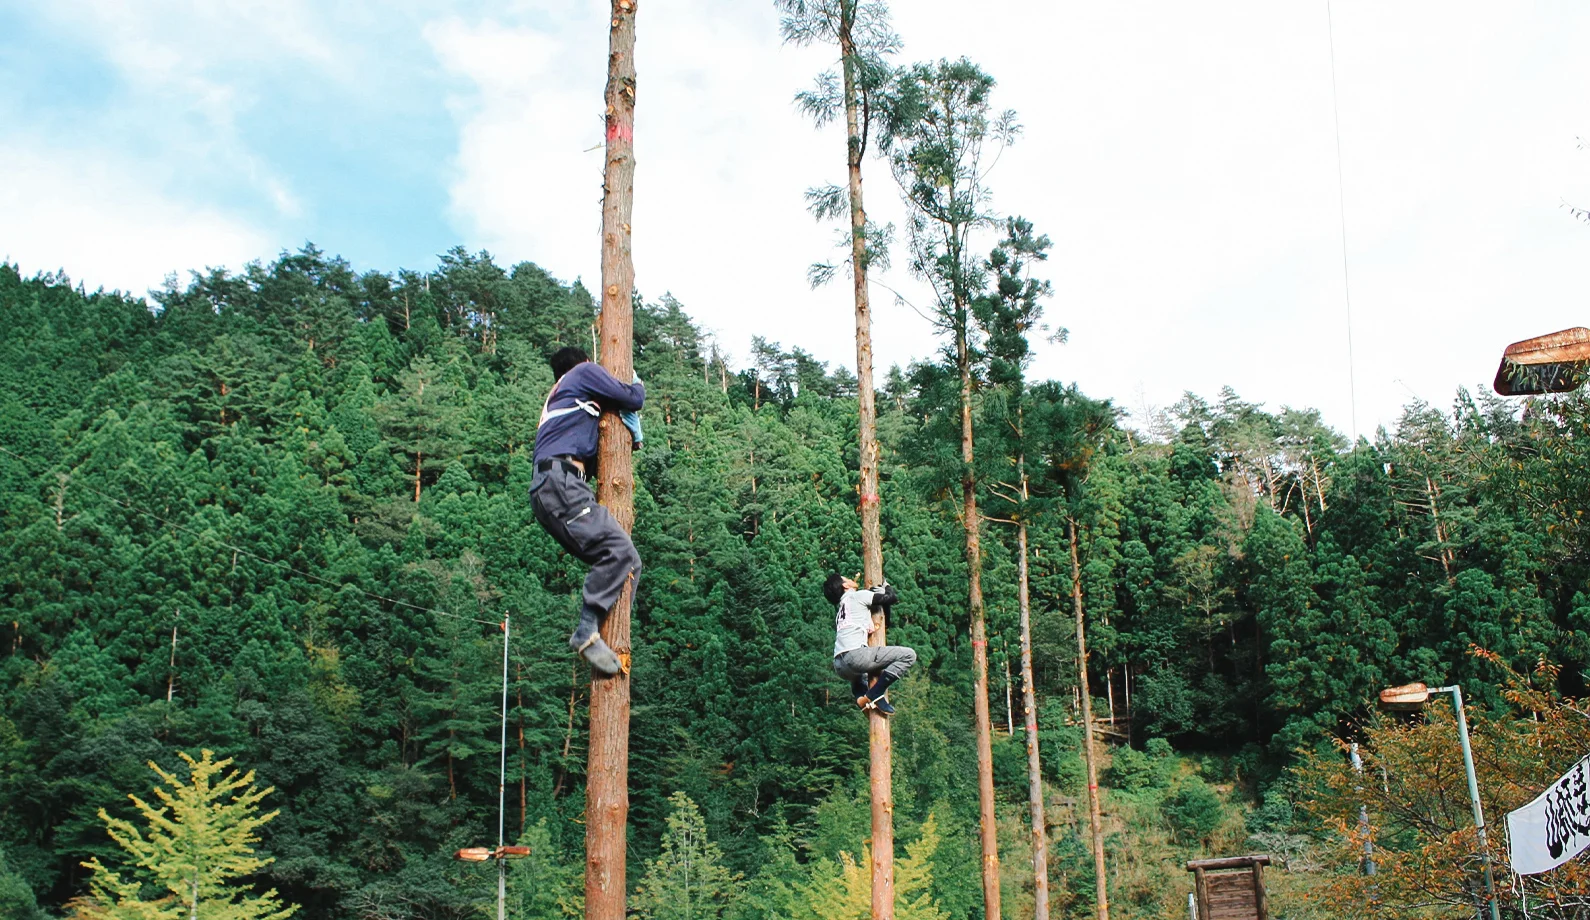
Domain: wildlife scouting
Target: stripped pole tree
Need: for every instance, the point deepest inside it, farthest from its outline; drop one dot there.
(941, 130)
(1075, 429)
(861, 32)
(1007, 315)
(1101, 895)
(607, 785)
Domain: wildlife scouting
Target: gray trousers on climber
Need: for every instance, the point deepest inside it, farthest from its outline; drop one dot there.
(567, 510)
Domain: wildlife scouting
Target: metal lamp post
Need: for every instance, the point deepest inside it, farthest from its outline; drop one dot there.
(1412, 697)
(501, 853)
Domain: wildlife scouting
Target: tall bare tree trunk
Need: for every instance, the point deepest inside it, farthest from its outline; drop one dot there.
(1095, 822)
(871, 534)
(171, 673)
(1433, 492)
(1029, 708)
(607, 786)
(987, 821)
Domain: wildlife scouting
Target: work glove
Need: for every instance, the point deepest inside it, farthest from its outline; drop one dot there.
(631, 421)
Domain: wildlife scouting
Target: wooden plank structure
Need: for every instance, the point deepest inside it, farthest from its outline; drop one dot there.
(1231, 888)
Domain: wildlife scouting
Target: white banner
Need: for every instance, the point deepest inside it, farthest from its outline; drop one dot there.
(1555, 827)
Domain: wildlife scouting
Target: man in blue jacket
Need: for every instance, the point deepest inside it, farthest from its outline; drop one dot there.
(563, 502)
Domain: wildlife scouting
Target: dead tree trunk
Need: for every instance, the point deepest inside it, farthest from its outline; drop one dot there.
(607, 785)
(879, 747)
(1095, 823)
(987, 821)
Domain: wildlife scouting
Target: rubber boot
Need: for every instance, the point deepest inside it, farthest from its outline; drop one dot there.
(588, 641)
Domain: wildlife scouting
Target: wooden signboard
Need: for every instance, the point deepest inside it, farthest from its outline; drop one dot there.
(1230, 888)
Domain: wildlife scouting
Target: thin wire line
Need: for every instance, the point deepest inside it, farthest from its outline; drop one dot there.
(1341, 207)
(255, 556)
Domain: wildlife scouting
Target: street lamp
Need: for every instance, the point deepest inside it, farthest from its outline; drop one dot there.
(501, 854)
(1555, 363)
(1411, 698)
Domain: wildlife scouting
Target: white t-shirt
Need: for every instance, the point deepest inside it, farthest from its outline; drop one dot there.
(852, 621)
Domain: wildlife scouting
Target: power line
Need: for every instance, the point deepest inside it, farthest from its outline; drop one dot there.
(282, 566)
(1341, 207)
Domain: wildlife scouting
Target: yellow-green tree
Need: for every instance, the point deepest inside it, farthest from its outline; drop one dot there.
(842, 891)
(192, 853)
(914, 877)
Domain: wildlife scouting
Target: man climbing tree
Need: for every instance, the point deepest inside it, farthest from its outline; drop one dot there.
(607, 760)
(860, 31)
(869, 668)
(564, 504)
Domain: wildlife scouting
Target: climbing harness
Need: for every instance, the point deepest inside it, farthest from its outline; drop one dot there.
(548, 413)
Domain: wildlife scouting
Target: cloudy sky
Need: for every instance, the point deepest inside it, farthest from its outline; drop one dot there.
(1182, 157)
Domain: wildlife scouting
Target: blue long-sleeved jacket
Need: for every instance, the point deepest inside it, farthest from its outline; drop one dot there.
(569, 420)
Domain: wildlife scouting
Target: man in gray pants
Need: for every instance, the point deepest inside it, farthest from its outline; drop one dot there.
(870, 669)
(563, 502)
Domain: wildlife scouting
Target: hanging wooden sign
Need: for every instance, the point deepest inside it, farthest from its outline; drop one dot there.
(1231, 888)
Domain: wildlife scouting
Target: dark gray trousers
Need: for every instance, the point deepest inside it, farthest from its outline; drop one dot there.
(566, 508)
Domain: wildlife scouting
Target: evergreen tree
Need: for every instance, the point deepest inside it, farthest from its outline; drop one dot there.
(687, 880)
(940, 128)
(17, 901)
(193, 851)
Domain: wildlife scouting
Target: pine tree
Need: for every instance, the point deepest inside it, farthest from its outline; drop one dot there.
(16, 898)
(195, 848)
(542, 885)
(941, 129)
(688, 880)
(423, 420)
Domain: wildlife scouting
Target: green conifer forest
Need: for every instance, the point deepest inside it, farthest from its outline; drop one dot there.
(281, 515)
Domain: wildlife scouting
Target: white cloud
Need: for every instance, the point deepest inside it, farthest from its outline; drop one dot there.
(514, 185)
(1181, 156)
(192, 71)
(722, 161)
(107, 226)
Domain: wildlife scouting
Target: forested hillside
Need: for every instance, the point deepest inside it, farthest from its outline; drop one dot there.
(282, 515)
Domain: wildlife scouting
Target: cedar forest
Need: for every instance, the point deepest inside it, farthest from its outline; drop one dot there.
(281, 513)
